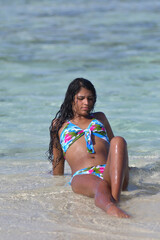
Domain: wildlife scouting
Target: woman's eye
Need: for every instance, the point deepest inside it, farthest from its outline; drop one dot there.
(80, 98)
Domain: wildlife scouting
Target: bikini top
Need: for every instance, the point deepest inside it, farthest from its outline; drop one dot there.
(72, 132)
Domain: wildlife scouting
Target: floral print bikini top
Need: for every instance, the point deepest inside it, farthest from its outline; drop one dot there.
(72, 132)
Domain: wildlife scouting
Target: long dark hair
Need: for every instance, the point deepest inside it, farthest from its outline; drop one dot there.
(66, 113)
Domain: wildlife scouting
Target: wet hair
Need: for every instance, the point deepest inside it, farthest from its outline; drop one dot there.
(65, 113)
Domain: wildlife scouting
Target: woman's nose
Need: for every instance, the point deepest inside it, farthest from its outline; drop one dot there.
(86, 101)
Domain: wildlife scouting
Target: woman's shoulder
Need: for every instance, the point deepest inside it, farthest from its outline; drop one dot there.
(103, 119)
(57, 125)
(62, 127)
(100, 116)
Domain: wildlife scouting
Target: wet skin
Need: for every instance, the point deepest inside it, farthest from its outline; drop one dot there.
(106, 192)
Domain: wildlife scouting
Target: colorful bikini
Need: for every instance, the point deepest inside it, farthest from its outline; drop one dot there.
(95, 170)
(72, 132)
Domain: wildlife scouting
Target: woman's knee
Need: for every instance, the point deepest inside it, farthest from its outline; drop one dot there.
(118, 146)
(119, 141)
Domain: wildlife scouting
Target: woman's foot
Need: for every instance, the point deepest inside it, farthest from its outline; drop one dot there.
(113, 210)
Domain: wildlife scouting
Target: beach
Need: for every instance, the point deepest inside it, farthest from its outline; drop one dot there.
(43, 47)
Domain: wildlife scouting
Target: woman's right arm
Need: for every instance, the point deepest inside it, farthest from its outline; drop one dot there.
(58, 158)
(58, 161)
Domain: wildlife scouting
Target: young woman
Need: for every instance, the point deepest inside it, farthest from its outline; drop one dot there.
(98, 160)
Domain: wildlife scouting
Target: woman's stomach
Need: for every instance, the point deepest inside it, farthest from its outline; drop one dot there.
(78, 157)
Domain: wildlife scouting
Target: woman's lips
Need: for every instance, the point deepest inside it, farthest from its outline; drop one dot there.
(85, 109)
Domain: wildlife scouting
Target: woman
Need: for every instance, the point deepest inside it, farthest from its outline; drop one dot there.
(98, 160)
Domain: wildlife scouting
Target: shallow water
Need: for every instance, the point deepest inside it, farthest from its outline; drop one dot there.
(36, 205)
(43, 46)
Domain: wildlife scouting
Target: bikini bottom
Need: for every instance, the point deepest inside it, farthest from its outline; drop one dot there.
(95, 170)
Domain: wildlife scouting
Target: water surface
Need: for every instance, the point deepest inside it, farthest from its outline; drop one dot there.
(43, 46)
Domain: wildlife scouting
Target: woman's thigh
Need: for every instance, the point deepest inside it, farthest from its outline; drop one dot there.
(85, 184)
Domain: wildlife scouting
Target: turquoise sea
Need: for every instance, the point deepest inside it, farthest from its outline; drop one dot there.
(44, 45)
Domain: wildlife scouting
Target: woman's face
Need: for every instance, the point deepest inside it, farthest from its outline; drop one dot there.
(83, 102)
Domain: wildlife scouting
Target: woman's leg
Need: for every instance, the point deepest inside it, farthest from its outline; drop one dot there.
(93, 186)
(106, 192)
(116, 172)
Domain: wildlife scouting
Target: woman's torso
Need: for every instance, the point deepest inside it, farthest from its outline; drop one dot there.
(77, 154)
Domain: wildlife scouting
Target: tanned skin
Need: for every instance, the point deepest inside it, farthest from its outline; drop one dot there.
(106, 192)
